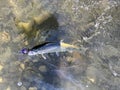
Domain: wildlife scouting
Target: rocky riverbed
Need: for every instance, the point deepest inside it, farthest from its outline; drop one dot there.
(92, 25)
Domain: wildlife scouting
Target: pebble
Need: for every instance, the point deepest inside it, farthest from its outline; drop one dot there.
(1, 67)
(8, 88)
(22, 66)
(27, 26)
(1, 79)
(91, 79)
(42, 17)
(26, 42)
(32, 88)
(42, 68)
(19, 83)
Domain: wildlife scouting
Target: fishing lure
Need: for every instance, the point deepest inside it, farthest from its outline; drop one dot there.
(49, 47)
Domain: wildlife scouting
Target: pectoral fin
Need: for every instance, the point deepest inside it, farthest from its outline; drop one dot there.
(57, 53)
(43, 56)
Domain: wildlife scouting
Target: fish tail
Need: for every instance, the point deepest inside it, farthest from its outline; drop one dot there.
(65, 45)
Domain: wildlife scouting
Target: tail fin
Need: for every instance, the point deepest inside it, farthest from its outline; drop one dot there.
(80, 49)
(65, 45)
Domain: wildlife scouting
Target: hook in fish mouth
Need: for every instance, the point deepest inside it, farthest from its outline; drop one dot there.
(25, 51)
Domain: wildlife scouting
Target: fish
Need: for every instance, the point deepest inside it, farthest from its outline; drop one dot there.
(49, 47)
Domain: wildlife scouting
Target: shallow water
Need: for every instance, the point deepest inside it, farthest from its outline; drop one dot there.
(92, 25)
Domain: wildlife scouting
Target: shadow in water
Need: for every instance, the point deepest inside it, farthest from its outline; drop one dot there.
(40, 72)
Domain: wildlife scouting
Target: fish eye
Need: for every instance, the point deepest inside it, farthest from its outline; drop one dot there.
(24, 50)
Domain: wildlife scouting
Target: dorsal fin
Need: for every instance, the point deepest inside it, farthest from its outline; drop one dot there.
(42, 44)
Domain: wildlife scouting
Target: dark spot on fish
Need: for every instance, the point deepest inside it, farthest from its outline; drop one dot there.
(44, 44)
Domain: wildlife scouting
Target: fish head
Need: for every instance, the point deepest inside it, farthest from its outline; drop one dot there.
(24, 51)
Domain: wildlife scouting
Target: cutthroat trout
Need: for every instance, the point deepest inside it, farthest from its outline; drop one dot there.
(49, 47)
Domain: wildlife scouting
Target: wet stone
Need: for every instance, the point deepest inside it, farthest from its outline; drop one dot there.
(91, 79)
(27, 26)
(70, 59)
(22, 66)
(42, 68)
(19, 83)
(26, 42)
(33, 88)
